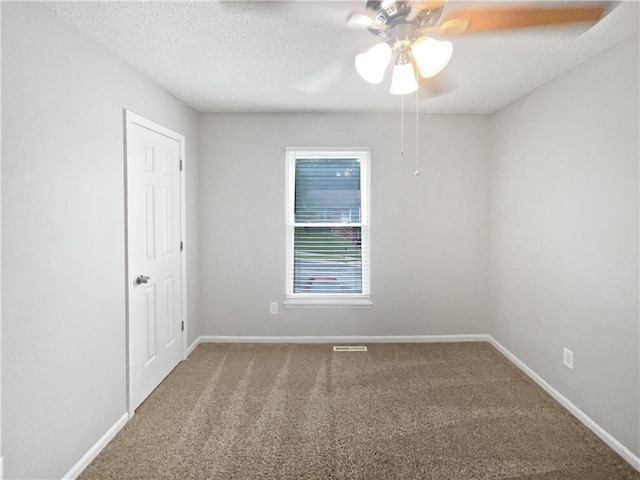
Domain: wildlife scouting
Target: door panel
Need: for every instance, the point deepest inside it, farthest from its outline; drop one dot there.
(153, 237)
(170, 314)
(150, 317)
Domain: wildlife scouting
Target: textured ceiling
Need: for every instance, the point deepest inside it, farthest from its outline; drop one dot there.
(224, 56)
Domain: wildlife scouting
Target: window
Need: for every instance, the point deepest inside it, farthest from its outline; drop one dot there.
(327, 228)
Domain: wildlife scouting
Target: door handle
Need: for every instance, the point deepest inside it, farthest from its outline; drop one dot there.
(141, 279)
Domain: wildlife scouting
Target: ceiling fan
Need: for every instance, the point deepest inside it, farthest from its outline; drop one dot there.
(407, 28)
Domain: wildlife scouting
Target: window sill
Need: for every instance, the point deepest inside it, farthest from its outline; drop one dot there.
(328, 302)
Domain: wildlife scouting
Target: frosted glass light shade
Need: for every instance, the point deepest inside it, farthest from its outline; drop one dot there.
(431, 55)
(403, 80)
(372, 64)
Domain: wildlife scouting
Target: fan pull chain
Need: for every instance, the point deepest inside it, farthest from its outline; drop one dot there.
(401, 125)
(417, 172)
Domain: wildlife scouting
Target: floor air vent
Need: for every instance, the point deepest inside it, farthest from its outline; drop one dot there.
(349, 348)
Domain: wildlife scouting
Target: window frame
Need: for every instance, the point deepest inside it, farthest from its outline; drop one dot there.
(357, 300)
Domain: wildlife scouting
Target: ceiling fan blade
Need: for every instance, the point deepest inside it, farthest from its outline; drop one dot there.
(432, 4)
(324, 79)
(417, 7)
(492, 19)
(359, 19)
(453, 26)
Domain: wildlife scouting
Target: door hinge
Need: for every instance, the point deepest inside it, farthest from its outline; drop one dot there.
(180, 165)
(182, 326)
(181, 245)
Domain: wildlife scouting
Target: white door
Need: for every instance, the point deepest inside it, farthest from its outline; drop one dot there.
(154, 254)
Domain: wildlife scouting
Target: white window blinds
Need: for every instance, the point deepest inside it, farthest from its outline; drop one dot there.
(327, 223)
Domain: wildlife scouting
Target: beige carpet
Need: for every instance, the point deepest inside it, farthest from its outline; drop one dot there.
(412, 411)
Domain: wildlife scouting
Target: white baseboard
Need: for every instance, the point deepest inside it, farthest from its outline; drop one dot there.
(342, 339)
(1, 468)
(605, 436)
(93, 452)
(192, 347)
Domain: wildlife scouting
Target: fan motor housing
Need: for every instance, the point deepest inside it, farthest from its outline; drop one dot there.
(392, 13)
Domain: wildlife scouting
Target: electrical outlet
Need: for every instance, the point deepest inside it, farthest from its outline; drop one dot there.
(567, 358)
(273, 308)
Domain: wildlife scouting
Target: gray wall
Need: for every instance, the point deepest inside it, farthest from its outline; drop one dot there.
(428, 235)
(63, 325)
(564, 235)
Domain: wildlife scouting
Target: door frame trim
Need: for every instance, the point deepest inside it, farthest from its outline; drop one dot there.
(130, 119)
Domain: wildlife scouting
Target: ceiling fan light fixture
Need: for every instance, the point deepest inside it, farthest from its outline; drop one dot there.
(404, 76)
(431, 55)
(372, 64)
